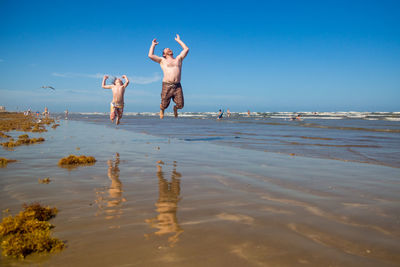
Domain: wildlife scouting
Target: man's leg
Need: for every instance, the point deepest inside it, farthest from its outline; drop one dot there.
(165, 99)
(178, 99)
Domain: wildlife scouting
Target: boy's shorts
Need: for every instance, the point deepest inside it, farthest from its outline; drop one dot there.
(116, 108)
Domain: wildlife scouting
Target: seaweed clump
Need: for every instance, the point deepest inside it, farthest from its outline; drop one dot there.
(74, 161)
(29, 232)
(44, 180)
(3, 135)
(4, 162)
(54, 126)
(22, 140)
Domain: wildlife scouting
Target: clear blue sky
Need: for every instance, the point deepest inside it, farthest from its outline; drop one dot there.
(257, 55)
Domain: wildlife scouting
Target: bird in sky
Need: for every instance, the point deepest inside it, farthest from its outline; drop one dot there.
(47, 86)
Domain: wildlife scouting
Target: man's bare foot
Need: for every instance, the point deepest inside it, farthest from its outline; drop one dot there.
(161, 114)
(175, 112)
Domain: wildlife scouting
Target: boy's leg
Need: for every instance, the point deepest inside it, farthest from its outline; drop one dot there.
(112, 113)
(119, 112)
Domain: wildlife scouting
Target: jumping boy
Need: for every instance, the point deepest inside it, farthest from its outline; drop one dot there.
(117, 104)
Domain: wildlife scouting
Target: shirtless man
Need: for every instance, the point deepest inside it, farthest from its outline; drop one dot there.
(117, 104)
(172, 68)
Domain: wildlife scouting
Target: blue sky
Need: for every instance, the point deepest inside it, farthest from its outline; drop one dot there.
(257, 55)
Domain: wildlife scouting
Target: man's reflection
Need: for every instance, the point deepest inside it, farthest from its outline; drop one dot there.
(114, 198)
(167, 205)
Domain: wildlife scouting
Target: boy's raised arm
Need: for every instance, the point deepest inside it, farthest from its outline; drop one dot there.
(126, 80)
(151, 52)
(103, 84)
(185, 50)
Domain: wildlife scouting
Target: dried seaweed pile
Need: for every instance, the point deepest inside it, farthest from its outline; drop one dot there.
(74, 161)
(29, 232)
(22, 140)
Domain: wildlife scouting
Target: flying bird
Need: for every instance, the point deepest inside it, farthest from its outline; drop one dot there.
(47, 86)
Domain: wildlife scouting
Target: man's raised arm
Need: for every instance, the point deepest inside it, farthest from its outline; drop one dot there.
(151, 52)
(103, 84)
(185, 50)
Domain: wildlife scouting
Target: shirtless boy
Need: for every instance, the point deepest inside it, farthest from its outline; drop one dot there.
(118, 90)
(172, 68)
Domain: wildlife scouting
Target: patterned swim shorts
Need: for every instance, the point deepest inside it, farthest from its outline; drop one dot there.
(174, 91)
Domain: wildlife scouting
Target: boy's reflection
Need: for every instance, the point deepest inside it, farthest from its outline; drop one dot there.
(114, 198)
(167, 205)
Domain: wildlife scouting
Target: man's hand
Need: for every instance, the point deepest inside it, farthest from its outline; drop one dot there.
(154, 42)
(177, 38)
(105, 77)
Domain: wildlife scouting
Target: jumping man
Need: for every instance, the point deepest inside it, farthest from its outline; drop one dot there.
(172, 68)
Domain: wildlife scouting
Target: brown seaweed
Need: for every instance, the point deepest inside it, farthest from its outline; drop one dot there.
(4, 162)
(29, 232)
(44, 180)
(22, 140)
(74, 161)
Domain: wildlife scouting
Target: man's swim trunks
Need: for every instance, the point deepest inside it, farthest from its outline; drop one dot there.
(116, 108)
(174, 91)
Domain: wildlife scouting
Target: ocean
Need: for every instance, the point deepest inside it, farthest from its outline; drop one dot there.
(367, 137)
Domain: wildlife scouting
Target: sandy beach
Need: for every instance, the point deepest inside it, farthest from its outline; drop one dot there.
(153, 201)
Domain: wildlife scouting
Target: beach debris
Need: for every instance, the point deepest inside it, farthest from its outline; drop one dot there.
(78, 148)
(29, 232)
(160, 162)
(22, 140)
(4, 162)
(157, 148)
(12, 121)
(3, 135)
(44, 180)
(74, 161)
(292, 154)
(55, 126)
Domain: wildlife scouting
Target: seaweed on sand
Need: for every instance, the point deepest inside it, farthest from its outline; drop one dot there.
(29, 232)
(74, 161)
(3, 135)
(12, 121)
(4, 162)
(22, 140)
(44, 180)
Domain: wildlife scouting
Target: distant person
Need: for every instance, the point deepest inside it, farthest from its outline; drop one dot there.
(172, 68)
(248, 113)
(228, 113)
(46, 112)
(297, 118)
(118, 90)
(66, 114)
(220, 114)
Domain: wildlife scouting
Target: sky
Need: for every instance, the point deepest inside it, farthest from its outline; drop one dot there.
(244, 55)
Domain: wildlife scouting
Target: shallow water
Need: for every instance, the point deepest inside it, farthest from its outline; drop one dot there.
(353, 136)
(204, 204)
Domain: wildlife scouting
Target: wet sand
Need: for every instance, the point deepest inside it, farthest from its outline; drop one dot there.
(203, 204)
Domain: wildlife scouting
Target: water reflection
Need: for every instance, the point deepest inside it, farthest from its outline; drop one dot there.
(166, 221)
(110, 203)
